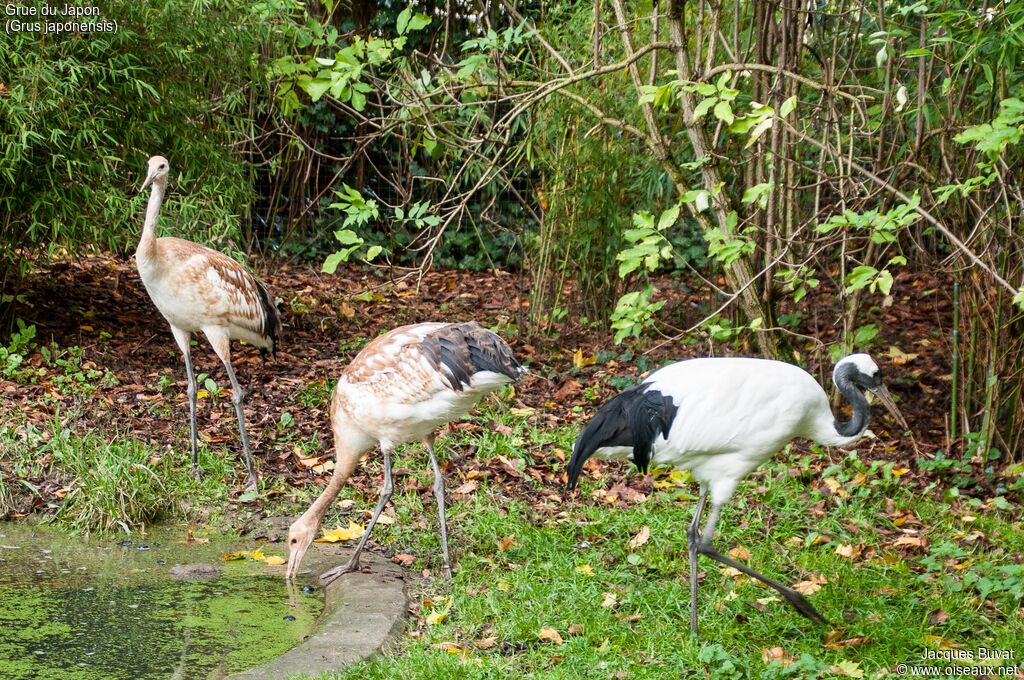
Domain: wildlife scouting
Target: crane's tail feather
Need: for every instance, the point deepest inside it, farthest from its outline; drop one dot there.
(271, 316)
(634, 418)
(464, 349)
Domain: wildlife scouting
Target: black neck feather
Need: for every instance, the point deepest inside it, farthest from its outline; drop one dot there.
(858, 421)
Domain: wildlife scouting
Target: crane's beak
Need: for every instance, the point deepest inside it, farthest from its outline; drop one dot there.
(883, 396)
(295, 555)
(149, 179)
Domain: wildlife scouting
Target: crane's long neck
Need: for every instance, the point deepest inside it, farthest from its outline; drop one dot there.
(853, 428)
(147, 244)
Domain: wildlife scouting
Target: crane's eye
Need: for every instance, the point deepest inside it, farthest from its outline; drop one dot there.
(162, 166)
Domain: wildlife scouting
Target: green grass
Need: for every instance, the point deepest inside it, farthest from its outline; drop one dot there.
(567, 556)
(110, 482)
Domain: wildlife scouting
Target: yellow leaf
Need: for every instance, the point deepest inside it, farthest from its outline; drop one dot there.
(850, 669)
(579, 361)
(835, 487)
(87, 329)
(274, 560)
(257, 554)
(435, 617)
(507, 542)
(585, 569)
(549, 635)
(230, 557)
(609, 600)
(338, 534)
(897, 472)
(939, 642)
(522, 412)
(202, 394)
(850, 552)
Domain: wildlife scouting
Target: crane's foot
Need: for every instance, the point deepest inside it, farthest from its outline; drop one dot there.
(332, 574)
(251, 482)
(197, 474)
(448, 572)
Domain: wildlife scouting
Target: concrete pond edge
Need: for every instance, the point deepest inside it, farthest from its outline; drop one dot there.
(363, 612)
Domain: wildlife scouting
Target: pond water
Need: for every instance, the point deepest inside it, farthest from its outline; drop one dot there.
(81, 609)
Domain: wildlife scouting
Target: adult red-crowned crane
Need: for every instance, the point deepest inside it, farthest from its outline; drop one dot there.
(400, 388)
(720, 418)
(199, 289)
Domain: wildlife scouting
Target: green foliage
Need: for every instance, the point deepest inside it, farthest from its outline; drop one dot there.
(634, 313)
(13, 355)
(83, 112)
(648, 243)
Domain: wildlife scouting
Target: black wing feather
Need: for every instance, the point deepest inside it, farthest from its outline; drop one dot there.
(460, 350)
(271, 316)
(634, 418)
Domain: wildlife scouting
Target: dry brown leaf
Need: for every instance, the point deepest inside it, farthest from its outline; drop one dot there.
(938, 617)
(466, 488)
(575, 629)
(850, 552)
(485, 643)
(770, 654)
(740, 553)
(912, 542)
(507, 542)
(810, 586)
(549, 635)
(642, 537)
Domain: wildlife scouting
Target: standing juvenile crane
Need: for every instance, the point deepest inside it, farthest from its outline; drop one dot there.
(198, 289)
(400, 388)
(720, 418)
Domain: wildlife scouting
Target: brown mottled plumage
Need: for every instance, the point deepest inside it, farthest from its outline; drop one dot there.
(401, 387)
(199, 289)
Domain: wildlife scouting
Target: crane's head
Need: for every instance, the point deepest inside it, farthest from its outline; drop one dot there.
(300, 535)
(863, 372)
(157, 172)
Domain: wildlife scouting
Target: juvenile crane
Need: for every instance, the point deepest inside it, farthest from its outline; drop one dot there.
(199, 289)
(400, 388)
(720, 418)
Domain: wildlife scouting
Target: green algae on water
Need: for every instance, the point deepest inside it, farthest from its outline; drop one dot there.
(86, 610)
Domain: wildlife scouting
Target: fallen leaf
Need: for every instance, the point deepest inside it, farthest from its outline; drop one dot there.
(835, 487)
(916, 542)
(938, 617)
(610, 599)
(549, 635)
(585, 569)
(939, 642)
(485, 643)
(850, 552)
(850, 669)
(274, 560)
(435, 617)
(579, 360)
(466, 488)
(642, 537)
(770, 654)
(507, 542)
(336, 534)
(347, 310)
(740, 553)
(230, 557)
(810, 586)
(405, 559)
(575, 629)
(899, 472)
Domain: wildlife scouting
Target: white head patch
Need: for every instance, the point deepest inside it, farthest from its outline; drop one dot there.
(863, 362)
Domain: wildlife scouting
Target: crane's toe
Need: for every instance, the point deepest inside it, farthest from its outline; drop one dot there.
(332, 574)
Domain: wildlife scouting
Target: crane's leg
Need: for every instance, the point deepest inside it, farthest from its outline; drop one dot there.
(385, 496)
(439, 495)
(184, 338)
(705, 548)
(222, 346)
(692, 539)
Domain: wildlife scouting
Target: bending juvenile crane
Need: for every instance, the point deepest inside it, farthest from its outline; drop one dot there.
(720, 418)
(400, 388)
(198, 289)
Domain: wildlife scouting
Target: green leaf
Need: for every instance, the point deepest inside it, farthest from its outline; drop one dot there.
(358, 100)
(331, 263)
(723, 112)
(669, 217)
(787, 107)
(372, 252)
(419, 22)
(1018, 299)
(402, 24)
(347, 237)
(702, 108)
(759, 130)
